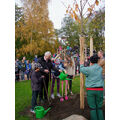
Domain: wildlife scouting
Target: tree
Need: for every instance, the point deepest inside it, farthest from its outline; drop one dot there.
(36, 33)
(96, 29)
(77, 12)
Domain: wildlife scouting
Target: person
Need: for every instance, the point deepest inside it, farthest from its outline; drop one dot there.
(47, 65)
(94, 85)
(55, 76)
(24, 59)
(36, 79)
(36, 59)
(23, 68)
(28, 69)
(101, 62)
(17, 69)
(70, 69)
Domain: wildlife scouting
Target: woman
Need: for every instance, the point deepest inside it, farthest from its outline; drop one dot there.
(70, 69)
(94, 85)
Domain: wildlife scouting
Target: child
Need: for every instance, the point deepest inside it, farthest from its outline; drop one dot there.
(70, 69)
(94, 85)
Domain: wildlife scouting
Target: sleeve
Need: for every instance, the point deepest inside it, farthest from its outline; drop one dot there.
(39, 66)
(101, 63)
(54, 68)
(84, 70)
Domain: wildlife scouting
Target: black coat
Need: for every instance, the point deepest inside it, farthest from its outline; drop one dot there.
(47, 65)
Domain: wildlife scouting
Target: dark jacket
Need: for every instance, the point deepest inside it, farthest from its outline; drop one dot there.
(47, 65)
(36, 78)
(23, 67)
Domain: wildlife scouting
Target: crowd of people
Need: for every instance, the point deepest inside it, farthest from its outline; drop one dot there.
(45, 70)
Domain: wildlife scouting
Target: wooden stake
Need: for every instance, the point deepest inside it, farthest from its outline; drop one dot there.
(91, 46)
(81, 75)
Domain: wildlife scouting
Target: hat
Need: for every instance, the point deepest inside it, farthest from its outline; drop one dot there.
(63, 76)
(94, 59)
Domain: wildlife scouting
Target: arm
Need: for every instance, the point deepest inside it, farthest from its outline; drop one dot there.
(84, 70)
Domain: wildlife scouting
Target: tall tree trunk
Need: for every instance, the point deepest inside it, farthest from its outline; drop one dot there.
(91, 46)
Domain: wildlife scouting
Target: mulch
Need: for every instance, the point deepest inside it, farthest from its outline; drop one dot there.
(60, 110)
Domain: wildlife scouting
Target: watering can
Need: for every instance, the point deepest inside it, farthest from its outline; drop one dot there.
(63, 76)
(40, 112)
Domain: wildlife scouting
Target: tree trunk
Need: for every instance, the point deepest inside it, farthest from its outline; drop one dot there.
(91, 46)
(82, 39)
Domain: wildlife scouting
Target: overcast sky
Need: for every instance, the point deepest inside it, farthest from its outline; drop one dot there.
(57, 10)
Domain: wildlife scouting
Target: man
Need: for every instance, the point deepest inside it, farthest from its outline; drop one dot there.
(47, 65)
(101, 62)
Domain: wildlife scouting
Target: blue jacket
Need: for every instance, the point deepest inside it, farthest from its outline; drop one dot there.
(93, 75)
(28, 67)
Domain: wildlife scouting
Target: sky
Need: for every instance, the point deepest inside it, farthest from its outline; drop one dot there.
(57, 10)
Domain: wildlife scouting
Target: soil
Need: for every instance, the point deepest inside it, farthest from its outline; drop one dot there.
(60, 110)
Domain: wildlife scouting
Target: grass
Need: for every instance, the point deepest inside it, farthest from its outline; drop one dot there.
(23, 94)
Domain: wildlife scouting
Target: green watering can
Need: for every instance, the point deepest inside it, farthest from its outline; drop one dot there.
(63, 76)
(40, 112)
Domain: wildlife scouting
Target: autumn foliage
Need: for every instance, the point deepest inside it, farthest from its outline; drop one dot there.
(34, 32)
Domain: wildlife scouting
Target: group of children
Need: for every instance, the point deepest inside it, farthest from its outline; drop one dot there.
(67, 65)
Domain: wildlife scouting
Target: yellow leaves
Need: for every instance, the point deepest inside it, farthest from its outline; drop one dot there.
(66, 11)
(90, 10)
(72, 15)
(76, 7)
(97, 2)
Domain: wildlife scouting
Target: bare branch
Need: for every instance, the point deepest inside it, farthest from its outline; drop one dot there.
(85, 3)
(63, 4)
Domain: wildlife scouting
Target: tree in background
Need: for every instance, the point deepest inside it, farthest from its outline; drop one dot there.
(96, 29)
(36, 33)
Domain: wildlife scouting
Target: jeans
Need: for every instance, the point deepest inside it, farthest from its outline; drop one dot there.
(34, 99)
(22, 75)
(53, 83)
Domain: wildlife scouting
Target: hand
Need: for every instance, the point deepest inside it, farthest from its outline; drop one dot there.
(42, 76)
(65, 71)
(46, 71)
(60, 70)
(37, 70)
(81, 62)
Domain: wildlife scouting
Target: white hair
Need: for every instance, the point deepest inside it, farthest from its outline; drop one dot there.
(47, 53)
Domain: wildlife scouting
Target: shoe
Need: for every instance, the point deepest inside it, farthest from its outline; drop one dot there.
(71, 93)
(52, 96)
(58, 95)
(61, 99)
(66, 97)
(32, 111)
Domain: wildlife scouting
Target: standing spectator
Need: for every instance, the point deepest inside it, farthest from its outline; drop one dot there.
(24, 59)
(101, 62)
(94, 85)
(28, 69)
(46, 71)
(17, 69)
(33, 65)
(23, 68)
(36, 59)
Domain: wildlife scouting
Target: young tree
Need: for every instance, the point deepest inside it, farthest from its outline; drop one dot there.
(78, 13)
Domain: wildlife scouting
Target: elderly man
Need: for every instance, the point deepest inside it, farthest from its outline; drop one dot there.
(47, 65)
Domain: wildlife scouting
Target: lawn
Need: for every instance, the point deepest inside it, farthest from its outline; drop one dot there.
(23, 95)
